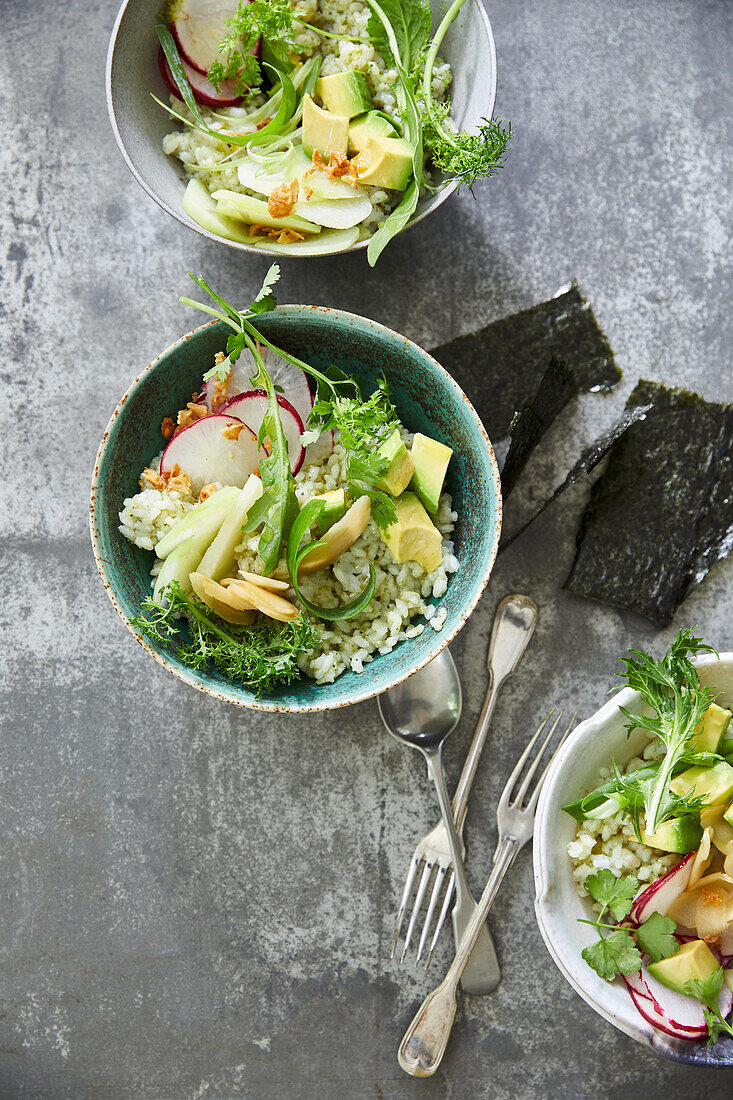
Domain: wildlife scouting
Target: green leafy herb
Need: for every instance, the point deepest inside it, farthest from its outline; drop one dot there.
(671, 687)
(262, 656)
(628, 792)
(308, 515)
(707, 991)
(656, 937)
(271, 20)
(613, 954)
(616, 894)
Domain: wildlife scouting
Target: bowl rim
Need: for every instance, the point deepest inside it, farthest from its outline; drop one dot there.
(548, 915)
(443, 638)
(439, 198)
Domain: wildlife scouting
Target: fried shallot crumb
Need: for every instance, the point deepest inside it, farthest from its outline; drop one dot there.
(207, 491)
(219, 394)
(167, 427)
(170, 481)
(233, 430)
(190, 415)
(282, 199)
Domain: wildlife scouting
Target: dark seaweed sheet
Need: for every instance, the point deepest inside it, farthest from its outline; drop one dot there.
(501, 366)
(661, 514)
(529, 425)
(586, 463)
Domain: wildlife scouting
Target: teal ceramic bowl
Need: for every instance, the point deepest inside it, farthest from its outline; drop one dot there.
(427, 400)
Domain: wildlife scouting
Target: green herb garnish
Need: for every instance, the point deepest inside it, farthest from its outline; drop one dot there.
(309, 513)
(271, 20)
(656, 937)
(262, 656)
(707, 991)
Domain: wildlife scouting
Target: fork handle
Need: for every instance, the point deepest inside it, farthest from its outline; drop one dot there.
(423, 1045)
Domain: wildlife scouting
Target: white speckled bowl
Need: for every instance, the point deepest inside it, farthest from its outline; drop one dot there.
(139, 124)
(557, 905)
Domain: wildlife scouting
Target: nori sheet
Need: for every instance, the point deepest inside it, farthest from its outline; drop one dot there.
(588, 461)
(662, 513)
(501, 366)
(557, 386)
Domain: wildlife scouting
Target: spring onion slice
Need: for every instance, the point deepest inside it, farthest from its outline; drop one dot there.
(308, 514)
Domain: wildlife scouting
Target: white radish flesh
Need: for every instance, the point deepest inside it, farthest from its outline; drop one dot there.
(218, 561)
(292, 380)
(335, 213)
(658, 897)
(206, 454)
(251, 407)
(203, 90)
(199, 26)
(206, 516)
(317, 452)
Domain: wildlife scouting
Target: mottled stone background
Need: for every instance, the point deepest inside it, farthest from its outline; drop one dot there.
(197, 901)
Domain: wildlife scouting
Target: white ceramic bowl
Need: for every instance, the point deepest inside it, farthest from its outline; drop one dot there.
(139, 124)
(557, 904)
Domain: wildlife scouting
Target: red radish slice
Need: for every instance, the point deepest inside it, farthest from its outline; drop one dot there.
(292, 380)
(658, 897)
(251, 408)
(198, 27)
(648, 1011)
(320, 450)
(674, 1013)
(205, 454)
(203, 90)
(635, 982)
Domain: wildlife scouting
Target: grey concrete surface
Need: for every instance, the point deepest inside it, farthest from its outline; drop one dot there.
(197, 901)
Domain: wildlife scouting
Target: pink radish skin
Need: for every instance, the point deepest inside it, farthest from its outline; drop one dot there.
(199, 28)
(206, 455)
(203, 90)
(671, 1012)
(658, 897)
(292, 380)
(251, 407)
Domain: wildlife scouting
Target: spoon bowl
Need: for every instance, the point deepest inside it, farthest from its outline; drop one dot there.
(426, 707)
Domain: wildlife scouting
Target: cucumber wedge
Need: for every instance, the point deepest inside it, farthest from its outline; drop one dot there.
(330, 240)
(199, 205)
(218, 560)
(335, 213)
(207, 516)
(234, 205)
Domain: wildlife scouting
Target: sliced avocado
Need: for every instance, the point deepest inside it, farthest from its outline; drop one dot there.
(679, 834)
(728, 815)
(693, 960)
(401, 466)
(254, 211)
(323, 131)
(334, 511)
(413, 537)
(386, 162)
(726, 749)
(431, 460)
(711, 730)
(715, 784)
(373, 124)
(345, 93)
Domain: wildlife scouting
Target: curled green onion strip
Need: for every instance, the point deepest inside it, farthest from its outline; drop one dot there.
(307, 515)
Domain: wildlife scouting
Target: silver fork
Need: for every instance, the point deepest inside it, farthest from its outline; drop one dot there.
(423, 1045)
(514, 623)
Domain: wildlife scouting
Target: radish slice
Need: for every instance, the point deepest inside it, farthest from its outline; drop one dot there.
(198, 27)
(674, 1013)
(251, 407)
(292, 381)
(203, 90)
(205, 454)
(317, 452)
(658, 897)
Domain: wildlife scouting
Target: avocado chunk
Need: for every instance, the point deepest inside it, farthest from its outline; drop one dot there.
(693, 960)
(715, 784)
(711, 730)
(249, 209)
(386, 162)
(728, 815)
(373, 124)
(323, 131)
(413, 537)
(401, 466)
(726, 749)
(431, 460)
(345, 93)
(679, 834)
(334, 511)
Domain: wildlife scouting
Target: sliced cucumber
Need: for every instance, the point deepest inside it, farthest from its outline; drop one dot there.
(335, 213)
(234, 205)
(199, 205)
(330, 240)
(209, 515)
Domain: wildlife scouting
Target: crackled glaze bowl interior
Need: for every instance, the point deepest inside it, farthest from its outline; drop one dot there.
(139, 124)
(557, 904)
(427, 400)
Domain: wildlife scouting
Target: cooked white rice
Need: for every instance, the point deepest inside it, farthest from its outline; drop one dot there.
(613, 844)
(198, 151)
(402, 590)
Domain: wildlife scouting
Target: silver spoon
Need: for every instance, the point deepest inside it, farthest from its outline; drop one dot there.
(421, 712)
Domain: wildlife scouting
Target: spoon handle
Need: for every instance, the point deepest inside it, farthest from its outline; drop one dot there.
(514, 623)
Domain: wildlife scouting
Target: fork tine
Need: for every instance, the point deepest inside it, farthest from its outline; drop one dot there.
(531, 805)
(535, 763)
(504, 799)
(439, 880)
(403, 903)
(441, 918)
(427, 871)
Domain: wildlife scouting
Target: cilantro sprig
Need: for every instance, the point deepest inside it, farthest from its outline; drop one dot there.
(271, 20)
(707, 991)
(617, 952)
